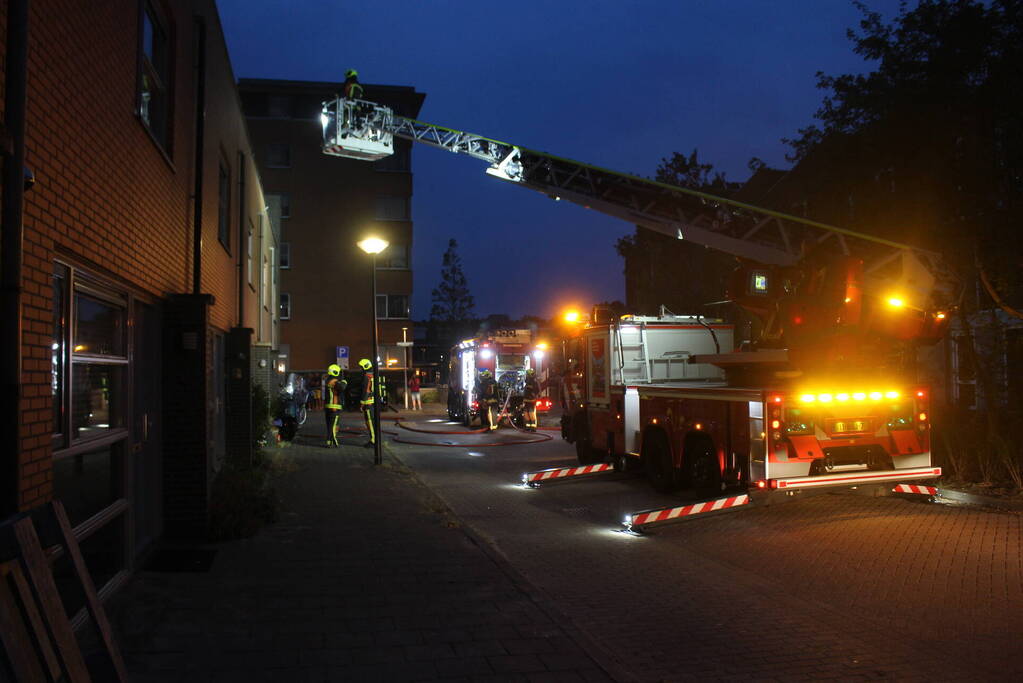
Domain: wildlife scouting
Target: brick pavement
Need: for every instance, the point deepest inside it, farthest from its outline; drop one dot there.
(365, 578)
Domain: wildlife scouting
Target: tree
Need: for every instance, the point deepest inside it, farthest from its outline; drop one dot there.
(931, 141)
(688, 171)
(661, 270)
(452, 301)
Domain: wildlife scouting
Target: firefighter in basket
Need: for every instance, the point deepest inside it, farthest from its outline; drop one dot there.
(486, 392)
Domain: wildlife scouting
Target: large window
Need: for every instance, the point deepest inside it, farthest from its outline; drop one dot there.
(285, 306)
(224, 206)
(394, 256)
(278, 155)
(392, 207)
(392, 306)
(154, 75)
(285, 257)
(89, 384)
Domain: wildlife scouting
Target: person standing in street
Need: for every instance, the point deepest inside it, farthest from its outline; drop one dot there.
(486, 392)
(530, 395)
(413, 390)
(333, 402)
(366, 399)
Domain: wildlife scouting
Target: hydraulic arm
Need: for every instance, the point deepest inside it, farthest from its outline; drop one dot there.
(364, 130)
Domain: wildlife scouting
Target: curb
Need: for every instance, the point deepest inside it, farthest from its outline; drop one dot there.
(983, 501)
(589, 646)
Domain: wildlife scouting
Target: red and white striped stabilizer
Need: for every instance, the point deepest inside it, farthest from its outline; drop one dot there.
(647, 517)
(913, 488)
(533, 479)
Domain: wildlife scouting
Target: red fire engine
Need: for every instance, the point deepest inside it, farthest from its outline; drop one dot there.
(828, 394)
(507, 354)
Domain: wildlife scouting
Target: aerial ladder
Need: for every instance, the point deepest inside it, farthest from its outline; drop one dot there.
(784, 256)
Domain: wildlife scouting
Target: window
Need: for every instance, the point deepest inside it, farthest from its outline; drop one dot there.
(285, 306)
(397, 162)
(279, 106)
(965, 387)
(248, 253)
(392, 306)
(278, 155)
(154, 75)
(224, 207)
(285, 255)
(395, 256)
(264, 283)
(392, 208)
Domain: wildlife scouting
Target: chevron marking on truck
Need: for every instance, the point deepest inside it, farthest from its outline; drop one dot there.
(913, 488)
(647, 517)
(533, 479)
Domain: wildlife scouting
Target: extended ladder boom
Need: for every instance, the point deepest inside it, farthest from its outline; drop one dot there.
(749, 232)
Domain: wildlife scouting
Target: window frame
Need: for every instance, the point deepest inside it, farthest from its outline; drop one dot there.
(224, 205)
(379, 212)
(284, 256)
(387, 307)
(384, 260)
(162, 82)
(285, 297)
(283, 145)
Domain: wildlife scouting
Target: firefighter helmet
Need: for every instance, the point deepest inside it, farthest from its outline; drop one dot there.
(351, 73)
(484, 373)
(530, 372)
(365, 364)
(334, 370)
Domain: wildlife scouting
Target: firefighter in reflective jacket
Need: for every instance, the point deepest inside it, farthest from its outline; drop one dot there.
(530, 395)
(351, 89)
(333, 402)
(486, 393)
(366, 399)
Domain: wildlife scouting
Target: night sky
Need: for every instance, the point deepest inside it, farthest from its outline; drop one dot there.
(619, 84)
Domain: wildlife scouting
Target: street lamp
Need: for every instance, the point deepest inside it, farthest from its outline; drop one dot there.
(375, 245)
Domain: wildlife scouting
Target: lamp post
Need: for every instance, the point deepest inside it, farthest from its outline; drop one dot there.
(375, 245)
(404, 371)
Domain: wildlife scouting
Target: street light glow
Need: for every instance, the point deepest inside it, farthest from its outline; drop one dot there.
(373, 245)
(572, 316)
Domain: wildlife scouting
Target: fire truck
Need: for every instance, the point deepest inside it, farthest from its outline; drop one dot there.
(829, 392)
(507, 354)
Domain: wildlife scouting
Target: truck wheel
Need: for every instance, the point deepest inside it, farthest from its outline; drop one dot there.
(703, 475)
(660, 470)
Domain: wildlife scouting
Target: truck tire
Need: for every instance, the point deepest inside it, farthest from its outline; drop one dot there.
(657, 463)
(702, 472)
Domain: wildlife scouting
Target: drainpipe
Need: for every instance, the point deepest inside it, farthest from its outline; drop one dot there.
(200, 143)
(241, 239)
(11, 214)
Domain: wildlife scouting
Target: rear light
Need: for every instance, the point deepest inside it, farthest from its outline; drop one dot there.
(922, 417)
(475, 405)
(761, 484)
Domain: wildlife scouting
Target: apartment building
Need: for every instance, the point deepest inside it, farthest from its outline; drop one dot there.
(325, 206)
(146, 271)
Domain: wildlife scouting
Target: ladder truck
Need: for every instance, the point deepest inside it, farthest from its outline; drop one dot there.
(826, 396)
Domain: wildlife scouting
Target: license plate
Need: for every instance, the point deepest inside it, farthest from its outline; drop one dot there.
(850, 426)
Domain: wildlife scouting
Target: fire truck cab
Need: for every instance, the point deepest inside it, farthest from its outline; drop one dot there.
(507, 354)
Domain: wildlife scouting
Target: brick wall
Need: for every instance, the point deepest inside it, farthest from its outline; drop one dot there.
(114, 203)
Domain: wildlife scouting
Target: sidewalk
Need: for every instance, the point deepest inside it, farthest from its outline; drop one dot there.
(366, 578)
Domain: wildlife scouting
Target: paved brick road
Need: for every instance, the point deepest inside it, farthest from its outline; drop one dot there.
(832, 587)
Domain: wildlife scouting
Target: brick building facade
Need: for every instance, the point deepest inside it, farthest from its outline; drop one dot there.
(148, 271)
(326, 205)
